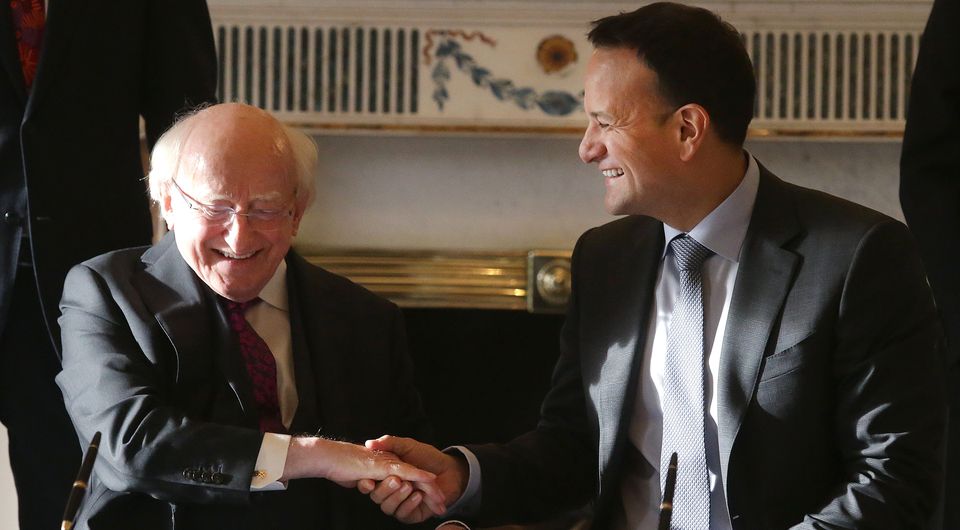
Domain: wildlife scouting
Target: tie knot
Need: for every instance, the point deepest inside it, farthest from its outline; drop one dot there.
(689, 254)
(239, 308)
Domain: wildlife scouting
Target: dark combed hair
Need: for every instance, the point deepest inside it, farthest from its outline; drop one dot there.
(698, 58)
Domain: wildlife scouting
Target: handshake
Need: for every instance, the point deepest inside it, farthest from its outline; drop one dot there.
(409, 480)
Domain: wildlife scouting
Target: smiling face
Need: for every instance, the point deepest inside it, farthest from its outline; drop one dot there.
(239, 157)
(633, 136)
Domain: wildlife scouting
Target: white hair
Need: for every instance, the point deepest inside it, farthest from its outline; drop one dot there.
(166, 154)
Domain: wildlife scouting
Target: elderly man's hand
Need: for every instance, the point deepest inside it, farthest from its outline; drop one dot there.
(402, 503)
(346, 464)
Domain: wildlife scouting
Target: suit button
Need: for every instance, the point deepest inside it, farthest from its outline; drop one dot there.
(219, 479)
(190, 474)
(206, 477)
(11, 218)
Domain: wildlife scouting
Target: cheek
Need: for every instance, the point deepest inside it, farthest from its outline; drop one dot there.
(204, 236)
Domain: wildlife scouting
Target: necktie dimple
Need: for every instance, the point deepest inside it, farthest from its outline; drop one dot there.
(683, 392)
(260, 363)
(28, 21)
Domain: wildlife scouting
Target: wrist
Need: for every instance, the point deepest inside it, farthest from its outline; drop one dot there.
(461, 474)
(306, 457)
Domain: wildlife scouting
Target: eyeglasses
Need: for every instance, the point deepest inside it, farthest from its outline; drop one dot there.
(258, 218)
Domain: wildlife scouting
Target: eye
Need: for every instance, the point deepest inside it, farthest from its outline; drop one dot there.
(215, 212)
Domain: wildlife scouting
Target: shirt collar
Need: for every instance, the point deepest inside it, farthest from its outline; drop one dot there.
(724, 229)
(274, 293)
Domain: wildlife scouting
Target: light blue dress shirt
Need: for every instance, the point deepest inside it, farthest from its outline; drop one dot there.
(722, 231)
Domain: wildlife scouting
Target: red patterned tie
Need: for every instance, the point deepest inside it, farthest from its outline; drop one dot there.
(28, 26)
(261, 366)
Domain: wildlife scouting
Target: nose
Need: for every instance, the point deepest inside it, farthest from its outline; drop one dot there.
(238, 233)
(591, 150)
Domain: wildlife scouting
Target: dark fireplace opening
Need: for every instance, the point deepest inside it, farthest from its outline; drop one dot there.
(482, 373)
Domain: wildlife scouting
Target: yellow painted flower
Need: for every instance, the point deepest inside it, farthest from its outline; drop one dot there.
(555, 52)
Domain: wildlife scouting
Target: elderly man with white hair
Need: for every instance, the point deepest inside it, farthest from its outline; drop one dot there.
(201, 358)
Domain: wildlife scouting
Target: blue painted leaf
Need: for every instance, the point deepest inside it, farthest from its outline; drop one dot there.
(557, 103)
(440, 73)
(464, 61)
(501, 88)
(525, 97)
(447, 48)
(479, 75)
(440, 95)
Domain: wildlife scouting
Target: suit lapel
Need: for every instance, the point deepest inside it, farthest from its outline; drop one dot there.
(182, 306)
(765, 275)
(62, 19)
(9, 56)
(633, 275)
(326, 348)
(306, 419)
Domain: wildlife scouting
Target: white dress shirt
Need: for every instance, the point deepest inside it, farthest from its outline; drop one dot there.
(722, 231)
(271, 320)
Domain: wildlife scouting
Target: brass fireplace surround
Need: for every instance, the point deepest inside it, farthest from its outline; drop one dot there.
(537, 281)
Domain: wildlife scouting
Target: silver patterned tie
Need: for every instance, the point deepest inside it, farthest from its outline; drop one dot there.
(683, 390)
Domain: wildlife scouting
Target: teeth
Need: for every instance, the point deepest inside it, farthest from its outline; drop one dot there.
(612, 172)
(231, 255)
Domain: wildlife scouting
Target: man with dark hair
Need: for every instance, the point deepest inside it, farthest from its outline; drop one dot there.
(723, 81)
(781, 342)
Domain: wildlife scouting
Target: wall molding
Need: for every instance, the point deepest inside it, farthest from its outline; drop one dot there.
(825, 69)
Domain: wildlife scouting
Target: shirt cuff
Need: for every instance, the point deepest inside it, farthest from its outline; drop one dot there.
(469, 501)
(455, 523)
(270, 463)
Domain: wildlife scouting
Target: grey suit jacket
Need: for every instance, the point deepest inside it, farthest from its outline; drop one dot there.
(149, 360)
(830, 395)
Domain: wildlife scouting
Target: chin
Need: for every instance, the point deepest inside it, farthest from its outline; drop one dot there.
(239, 295)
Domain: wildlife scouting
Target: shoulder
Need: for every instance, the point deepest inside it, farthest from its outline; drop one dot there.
(624, 235)
(115, 265)
(620, 230)
(820, 216)
(316, 281)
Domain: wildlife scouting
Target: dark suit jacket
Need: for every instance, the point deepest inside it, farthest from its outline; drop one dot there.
(829, 392)
(930, 196)
(70, 165)
(149, 360)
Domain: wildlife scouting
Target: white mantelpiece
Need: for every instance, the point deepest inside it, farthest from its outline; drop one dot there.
(825, 68)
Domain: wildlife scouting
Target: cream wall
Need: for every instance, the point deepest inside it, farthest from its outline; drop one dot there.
(8, 495)
(524, 193)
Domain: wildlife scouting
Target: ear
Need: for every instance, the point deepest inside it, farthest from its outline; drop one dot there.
(166, 208)
(297, 217)
(694, 121)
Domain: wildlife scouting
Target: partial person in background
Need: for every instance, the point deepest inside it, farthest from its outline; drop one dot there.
(930, 197)
(781, 341)
(75, 79)
(198, 357)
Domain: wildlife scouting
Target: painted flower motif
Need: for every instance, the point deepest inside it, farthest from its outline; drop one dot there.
(551, 102)
(554, 53)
